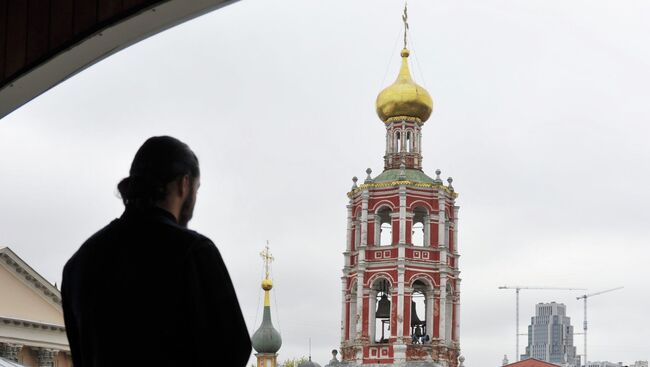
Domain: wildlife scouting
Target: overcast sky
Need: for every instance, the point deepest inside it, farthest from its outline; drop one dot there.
(541, 116)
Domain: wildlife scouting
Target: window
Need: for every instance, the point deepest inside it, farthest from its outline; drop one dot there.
(385, 226)
(417, 234)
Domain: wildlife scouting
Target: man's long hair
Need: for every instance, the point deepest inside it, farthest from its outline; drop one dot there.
(159, 161)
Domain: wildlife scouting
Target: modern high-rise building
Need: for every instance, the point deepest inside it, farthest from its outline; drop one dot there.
(550, 336)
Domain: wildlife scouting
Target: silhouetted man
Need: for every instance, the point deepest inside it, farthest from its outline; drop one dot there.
(147, 291)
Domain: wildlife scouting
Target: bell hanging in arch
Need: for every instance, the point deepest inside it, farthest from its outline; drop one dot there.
(415, 320)
(383, 308)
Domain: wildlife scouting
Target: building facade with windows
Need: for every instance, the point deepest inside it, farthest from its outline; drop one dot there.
(550, 336)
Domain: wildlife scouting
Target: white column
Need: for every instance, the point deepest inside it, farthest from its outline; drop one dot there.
(349, 232)
(364, 218)
(442, 238)
(372, 308)
(389, 141)
(359, 304)
(402, 214)
(352, 325)
(442, 312)
(426, 224)
(377, 230)
(457, 309)
(343, 306)
(442, 219)
(428, 306)
(456, 231)
(400, 302)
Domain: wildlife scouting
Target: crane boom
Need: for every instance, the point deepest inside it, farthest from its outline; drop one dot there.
(598, 293)
(517, 288)
(584, 323)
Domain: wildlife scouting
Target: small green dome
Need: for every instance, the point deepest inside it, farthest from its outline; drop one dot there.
(266, 339)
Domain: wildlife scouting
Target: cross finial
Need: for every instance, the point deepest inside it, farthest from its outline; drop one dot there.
(405, 19)
(268, 258)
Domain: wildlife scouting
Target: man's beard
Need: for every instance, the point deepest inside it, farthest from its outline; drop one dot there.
(187, 209)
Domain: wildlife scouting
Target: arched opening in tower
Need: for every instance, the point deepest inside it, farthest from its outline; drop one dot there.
(421, 305)
(419, 231)
(386, 227)
(381, 307)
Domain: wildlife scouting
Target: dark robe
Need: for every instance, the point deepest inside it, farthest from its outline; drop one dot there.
(144, 291)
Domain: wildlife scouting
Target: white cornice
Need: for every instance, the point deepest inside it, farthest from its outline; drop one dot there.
(30, 277)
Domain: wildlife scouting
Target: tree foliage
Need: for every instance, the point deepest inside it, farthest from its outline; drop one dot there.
(293, 362)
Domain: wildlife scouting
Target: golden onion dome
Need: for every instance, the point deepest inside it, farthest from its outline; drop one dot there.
(404, 99)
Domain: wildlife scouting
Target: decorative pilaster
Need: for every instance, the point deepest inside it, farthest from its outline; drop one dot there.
(343, 307)
(426, 227)
(400, 302)
(429, 316)
(457, 311)
(377, 226)
(359, 303)
(45, 357)
(402, 214)
(443, 307)
(348, 246)
(364, 219)
(442, 231)
(456, 251)
(10, 351)
(372, 309)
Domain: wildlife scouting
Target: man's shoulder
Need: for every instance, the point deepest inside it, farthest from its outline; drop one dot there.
(98, 236)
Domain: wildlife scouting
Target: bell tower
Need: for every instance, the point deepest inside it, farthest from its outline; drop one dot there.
(400, 284)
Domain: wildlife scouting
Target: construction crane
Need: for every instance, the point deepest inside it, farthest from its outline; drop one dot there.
(517, 288)
(584, 324)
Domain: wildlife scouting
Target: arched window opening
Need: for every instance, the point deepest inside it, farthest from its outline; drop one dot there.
(381, 310)
(419, 231)
(386, 237)
(409, 141)
(417, 235)
(420, 318)
(385, 228)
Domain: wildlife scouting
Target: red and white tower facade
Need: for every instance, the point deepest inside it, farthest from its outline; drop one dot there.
(400, 283)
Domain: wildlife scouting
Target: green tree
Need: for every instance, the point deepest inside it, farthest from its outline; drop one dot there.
(293, 362)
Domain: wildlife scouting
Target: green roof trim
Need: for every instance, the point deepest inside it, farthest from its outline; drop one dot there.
(413, 175)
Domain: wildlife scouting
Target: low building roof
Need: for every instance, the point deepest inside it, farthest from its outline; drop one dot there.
(531, 362)
(8, 363)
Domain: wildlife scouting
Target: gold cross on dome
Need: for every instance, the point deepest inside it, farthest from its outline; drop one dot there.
(405, 19)
(268, 258)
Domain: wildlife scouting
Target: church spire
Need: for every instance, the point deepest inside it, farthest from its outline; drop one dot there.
(405, 19)
(404, 106)
(266, 340)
